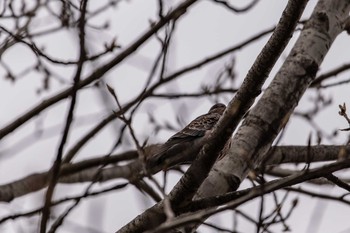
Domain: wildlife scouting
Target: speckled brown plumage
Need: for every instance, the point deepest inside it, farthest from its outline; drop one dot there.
(194, 130)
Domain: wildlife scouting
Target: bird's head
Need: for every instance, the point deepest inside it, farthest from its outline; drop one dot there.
(217, 108)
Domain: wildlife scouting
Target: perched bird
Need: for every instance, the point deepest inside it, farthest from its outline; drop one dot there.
(171, 152)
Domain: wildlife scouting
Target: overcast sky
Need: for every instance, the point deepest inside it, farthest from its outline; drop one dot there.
(205, 29)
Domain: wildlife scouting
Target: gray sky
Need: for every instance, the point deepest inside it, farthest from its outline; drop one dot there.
(206, 29)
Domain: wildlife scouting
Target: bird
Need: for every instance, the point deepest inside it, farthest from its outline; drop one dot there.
(171, 152)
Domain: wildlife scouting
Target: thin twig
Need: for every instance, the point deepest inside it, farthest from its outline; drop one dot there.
(57, 164)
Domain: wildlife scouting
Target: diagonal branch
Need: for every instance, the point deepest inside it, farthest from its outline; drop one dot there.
(252, 193)
(254, 138)
(98, 73)
(250, 89)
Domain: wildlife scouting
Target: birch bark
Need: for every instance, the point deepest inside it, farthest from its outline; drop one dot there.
(272, 111)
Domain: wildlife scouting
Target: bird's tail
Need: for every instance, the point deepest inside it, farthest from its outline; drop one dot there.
(158, 160)
(171, 155)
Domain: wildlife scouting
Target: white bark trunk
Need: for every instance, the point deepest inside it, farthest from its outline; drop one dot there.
(272, 111)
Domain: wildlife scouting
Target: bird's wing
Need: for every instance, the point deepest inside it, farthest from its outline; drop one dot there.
(183, 139)
(197, 128)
